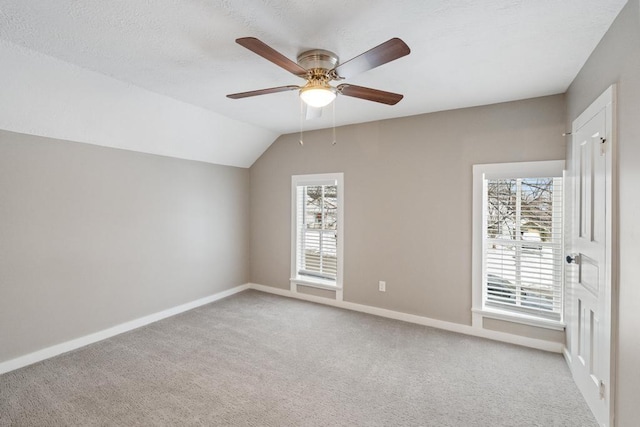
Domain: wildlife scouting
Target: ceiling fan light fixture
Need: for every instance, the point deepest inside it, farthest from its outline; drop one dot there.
(317, 95)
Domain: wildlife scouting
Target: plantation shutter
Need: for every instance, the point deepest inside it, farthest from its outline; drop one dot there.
(317, 226)
(523, 246)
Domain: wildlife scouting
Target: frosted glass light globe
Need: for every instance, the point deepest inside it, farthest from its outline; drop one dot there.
(317, 96)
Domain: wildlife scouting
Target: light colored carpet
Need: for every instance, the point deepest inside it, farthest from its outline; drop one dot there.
(256, 359)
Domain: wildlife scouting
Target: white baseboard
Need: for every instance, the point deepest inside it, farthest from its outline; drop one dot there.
(567, 356)
(64, 347)
(420, 320)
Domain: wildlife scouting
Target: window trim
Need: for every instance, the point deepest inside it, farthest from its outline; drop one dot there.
(537, 169)
(295, 279)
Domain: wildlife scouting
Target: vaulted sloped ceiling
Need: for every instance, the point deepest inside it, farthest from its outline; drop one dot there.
(152, 76)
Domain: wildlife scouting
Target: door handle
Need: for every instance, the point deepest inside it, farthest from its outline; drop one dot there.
(573, 259)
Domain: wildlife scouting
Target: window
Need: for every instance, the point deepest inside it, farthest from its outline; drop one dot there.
(518, 242)
(317, 231)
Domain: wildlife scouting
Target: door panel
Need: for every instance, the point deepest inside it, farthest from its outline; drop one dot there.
(588, 278)
(589, 274)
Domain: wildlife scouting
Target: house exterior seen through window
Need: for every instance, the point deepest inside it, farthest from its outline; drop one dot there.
(518, 243)
(317, 230)
(523, 245)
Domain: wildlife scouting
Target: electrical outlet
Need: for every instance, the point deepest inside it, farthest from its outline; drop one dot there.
(382, 286)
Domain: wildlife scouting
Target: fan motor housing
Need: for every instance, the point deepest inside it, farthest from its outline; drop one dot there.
(318, 58)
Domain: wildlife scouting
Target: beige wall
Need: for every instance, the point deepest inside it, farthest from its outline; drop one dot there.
(91, 237)
(617, 60)
(408, 199)
(317, 292)
(524, 330)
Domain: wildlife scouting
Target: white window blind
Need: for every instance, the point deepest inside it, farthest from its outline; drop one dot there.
(317, 224)
(522, 246)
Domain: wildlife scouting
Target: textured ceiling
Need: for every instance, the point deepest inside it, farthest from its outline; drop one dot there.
(464, 52)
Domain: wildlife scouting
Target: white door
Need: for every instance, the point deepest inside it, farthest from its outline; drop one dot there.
(589, 252)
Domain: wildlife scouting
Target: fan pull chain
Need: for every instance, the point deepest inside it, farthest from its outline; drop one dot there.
(301, 140)
(333, 109)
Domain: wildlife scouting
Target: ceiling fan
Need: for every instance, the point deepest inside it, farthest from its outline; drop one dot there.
(320, 67)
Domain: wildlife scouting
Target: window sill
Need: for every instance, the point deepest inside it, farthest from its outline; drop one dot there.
(316, 283)
(520, 318)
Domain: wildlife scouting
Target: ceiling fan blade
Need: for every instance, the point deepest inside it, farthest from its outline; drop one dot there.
(268, 53)
(369, 94)
(386, 52)
(262, 91)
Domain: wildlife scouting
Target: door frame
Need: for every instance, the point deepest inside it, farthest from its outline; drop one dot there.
(607, 100)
